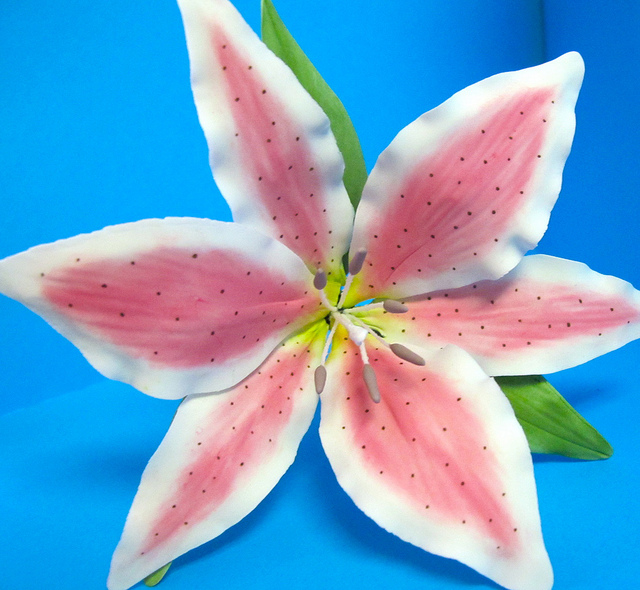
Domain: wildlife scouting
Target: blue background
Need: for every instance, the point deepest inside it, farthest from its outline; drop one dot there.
(97, 126)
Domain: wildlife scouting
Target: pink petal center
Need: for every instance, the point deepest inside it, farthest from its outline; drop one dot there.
(237, 439)
(424, 441)
(277, 156)
(179, 308)
(458, 203)
(492, 316)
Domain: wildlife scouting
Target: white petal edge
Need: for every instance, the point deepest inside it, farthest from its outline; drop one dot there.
(20, 279)
(531, 572)
(216, 120)
(540, 355)
(158, 480)
(561, 355)
(425, 135)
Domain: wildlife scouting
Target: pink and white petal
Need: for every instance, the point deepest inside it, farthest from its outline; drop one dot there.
(441, 461)
(546, 315)
(272, 151)
(464, 191)
(223, 454)
(171, 306)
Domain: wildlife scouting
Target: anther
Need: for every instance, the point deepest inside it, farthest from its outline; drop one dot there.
(355, 264)
(393, 306)
(320, 280)
(401, 351)
(371, 382)
(320, 378)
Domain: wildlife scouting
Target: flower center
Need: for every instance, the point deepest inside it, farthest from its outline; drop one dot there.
(356, 328)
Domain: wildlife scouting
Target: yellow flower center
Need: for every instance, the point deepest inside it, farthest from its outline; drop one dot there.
(357, 329)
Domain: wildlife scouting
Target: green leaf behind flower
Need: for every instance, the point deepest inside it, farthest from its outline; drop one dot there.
(281, 42)
(156, 577)
(550, 423)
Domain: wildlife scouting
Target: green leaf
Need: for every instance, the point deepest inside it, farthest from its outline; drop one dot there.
(281, 42)
(156, 577)
(549, 422)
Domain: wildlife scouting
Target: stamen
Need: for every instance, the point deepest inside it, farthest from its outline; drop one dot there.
(389, 305)
(355, 265)
(320, 378)
(401, 351)
(371, 382)
(363, 354)
(320, 280)
(328, 341)
(393, 306)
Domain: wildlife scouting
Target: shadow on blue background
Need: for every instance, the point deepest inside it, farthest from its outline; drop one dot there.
(97, 127)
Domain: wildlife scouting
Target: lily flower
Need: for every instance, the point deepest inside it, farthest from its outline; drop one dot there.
(254, 322)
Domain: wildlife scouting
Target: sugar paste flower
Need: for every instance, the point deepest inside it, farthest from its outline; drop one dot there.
(437, 296)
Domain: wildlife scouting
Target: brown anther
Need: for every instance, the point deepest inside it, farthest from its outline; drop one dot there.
(355, 264)
(393, 306)
(371, 382)
(401, 351)
(320, 378)
(320, 280)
